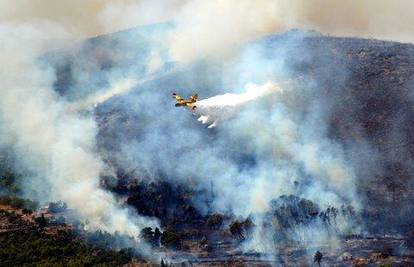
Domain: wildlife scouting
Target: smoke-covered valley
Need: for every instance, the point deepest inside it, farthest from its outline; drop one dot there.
(297, 137)
(323, 119)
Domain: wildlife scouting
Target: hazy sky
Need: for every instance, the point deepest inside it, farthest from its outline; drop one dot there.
(384, 19)
(86, 17)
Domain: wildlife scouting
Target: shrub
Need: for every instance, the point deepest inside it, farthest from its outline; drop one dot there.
(170, 239)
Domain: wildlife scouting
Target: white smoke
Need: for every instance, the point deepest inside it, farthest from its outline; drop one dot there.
(391, 20)
(95, 99)
(266, 117)
(117, 87)
(266, 121)
(54, 146)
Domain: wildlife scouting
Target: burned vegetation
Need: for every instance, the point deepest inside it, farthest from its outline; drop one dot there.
(368, 87)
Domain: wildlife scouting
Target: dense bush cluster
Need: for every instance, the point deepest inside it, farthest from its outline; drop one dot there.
(18, 203)
(169, 238)
(36, 249)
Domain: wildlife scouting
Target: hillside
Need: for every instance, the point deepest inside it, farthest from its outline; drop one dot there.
(325, 165)
(367, 85)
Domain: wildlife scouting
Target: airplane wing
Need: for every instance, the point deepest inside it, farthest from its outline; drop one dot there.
(177, 97)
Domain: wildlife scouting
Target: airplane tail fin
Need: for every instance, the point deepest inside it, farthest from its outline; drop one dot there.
(194, 98)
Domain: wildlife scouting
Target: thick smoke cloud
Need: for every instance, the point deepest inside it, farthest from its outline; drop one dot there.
(261, 145)
(54, 147)
(266, 122)
(206, 28)
(240, 20)
(222, 25)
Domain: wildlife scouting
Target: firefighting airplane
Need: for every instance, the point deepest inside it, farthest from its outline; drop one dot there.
(181, 102)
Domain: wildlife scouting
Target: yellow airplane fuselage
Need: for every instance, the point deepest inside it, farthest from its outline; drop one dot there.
(181, 102)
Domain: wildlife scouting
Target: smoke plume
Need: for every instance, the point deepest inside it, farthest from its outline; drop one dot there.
(218, 24)
(207, 28)
(53, 147)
